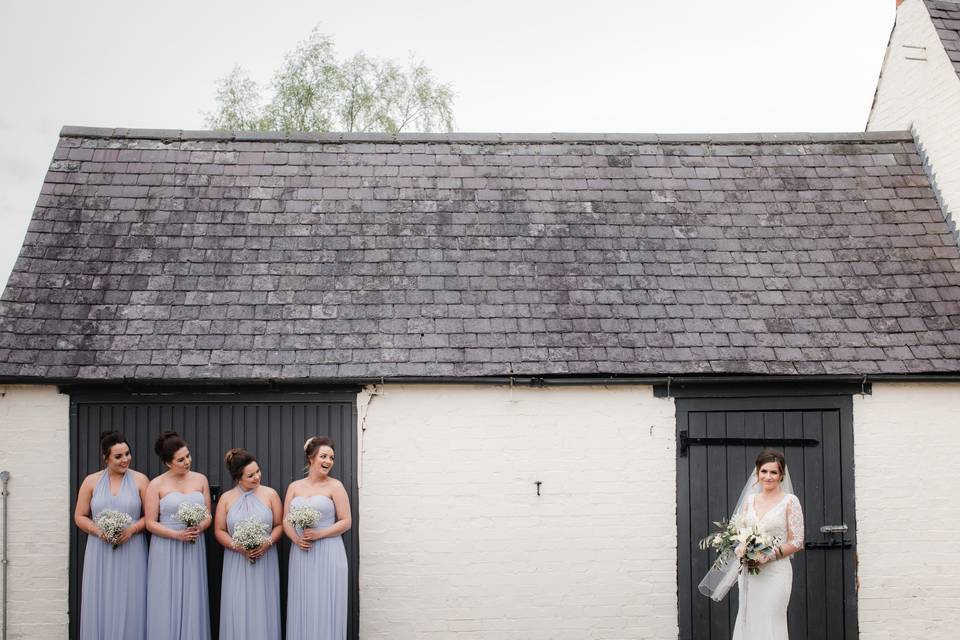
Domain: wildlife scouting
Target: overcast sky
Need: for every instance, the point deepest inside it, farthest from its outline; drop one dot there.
(637, 66)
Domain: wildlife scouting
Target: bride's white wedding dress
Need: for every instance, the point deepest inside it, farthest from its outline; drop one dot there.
(764, 597)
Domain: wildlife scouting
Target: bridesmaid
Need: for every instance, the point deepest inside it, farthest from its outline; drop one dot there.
(317, 591)
(250, 593)
(177, 571)
(114, 592)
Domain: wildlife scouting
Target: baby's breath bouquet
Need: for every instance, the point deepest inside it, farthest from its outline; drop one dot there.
(303, 517)
(191, 514)
(112, 523)
(249, 535)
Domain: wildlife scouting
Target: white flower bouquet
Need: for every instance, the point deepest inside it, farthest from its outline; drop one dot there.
(191, 514)
(733, 534)
(112, 523)
(249, 535)
(303, 517)
(756, 544)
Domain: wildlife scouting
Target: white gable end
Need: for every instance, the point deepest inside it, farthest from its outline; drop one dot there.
(919, 89)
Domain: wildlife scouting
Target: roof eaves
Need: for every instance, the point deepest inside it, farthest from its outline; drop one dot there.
(490, 138)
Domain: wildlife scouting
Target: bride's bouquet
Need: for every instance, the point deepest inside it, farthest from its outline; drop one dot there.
(734, 534)
(249, 535)
(723, 541)
(112, 523)
(303, 517)
(191, 514)
(756, 544)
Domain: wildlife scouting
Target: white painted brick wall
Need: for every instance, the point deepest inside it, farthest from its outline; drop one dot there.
(457, 544)
(923, 95)
(34, 448)
(907, 439)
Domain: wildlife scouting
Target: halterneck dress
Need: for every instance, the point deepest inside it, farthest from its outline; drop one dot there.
(317, 587)
(250, 593)
(114, 592)
(177, 579)
(764, 597)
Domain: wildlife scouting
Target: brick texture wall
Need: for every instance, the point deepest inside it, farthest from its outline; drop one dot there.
(34, 448)
(908, 484)
(923, 95)
(457, 543)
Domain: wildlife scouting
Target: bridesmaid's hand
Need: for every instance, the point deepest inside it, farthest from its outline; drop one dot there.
(190, 534)
(124, 536)
(259, 551)
(303, 543)
(311, 534)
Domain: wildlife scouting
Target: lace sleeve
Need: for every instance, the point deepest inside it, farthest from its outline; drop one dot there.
(794, 522)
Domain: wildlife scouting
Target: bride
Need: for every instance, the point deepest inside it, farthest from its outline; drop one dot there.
(767, 501)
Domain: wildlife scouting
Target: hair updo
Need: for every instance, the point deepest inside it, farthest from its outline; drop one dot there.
(109, 439)
(772, 455)
(168, 444)
(311, 446)
(237, 460)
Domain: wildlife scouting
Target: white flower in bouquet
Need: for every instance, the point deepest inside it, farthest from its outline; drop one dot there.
(249, 535)
(191, 514)
(723, 540)
(303, 517)
(757, 544)
(112, 523)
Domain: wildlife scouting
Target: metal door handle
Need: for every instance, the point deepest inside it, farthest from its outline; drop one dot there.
(833, 528)
(829, 544)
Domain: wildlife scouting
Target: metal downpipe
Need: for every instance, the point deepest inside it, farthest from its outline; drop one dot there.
(4, 478)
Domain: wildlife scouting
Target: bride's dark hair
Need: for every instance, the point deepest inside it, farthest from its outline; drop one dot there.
(772, 455)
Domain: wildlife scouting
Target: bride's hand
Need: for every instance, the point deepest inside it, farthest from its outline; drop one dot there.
(740, 550)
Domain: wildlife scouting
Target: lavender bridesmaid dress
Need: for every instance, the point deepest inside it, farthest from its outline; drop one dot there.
(114, 601)
(250, 593)
(317, 593)
(177, 580)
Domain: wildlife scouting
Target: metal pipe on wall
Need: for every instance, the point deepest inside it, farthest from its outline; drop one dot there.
(4, 478)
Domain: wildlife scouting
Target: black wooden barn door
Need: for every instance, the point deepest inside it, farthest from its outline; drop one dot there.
(273, 426)
(717, 442)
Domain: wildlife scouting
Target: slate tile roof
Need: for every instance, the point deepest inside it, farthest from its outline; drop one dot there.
(946, 20)
(166, 255)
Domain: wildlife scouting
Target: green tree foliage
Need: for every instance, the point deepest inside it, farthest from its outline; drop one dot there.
(314, 91)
